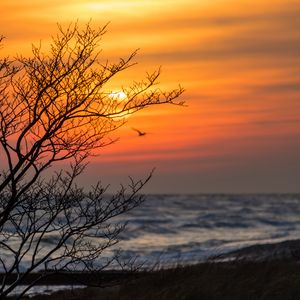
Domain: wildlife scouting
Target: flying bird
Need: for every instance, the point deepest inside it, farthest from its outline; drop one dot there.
(140, 133)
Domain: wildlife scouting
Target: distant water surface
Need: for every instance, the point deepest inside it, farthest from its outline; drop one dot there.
(189, 228)
(186, 229)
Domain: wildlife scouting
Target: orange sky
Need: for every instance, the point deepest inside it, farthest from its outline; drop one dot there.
(239, 62)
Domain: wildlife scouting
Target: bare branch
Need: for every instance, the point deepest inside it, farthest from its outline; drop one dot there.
(56, 107)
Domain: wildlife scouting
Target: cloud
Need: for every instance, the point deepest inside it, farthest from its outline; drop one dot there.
(232, 47)
(279, 87)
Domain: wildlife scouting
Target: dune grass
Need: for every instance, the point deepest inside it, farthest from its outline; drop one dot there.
(276, 280)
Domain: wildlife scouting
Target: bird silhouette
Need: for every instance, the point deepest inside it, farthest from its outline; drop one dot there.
(140, 133)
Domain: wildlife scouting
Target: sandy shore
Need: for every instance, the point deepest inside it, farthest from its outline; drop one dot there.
(289, 249)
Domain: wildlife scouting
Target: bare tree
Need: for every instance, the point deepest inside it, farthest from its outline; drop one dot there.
(56, 107)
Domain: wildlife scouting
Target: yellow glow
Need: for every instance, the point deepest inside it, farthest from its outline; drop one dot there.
(238, 61)
(118, 96)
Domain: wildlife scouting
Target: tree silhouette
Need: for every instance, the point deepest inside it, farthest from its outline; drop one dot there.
(56, 107)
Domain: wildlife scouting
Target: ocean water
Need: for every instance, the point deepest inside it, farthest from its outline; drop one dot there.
(171, 229)
(167, 230)
(186, 229)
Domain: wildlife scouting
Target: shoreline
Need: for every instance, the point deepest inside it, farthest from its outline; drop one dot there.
(231, 274)
(288, 250)
(234, 280)
(284, 250)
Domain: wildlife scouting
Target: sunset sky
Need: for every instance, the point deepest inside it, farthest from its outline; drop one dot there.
(239, 62)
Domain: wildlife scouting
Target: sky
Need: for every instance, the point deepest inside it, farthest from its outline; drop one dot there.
(239, 62)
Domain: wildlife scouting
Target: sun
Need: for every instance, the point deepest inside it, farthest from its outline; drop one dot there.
(119, 96)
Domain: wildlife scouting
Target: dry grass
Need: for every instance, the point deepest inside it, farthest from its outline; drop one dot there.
(276, 280)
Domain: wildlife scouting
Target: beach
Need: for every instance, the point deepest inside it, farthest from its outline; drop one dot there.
(268, 271)
(172, 238)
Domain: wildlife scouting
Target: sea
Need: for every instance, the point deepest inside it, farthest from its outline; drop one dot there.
(171, 230)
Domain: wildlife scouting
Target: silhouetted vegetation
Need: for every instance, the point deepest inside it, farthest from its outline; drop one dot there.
(275, 280)
(56, 107)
